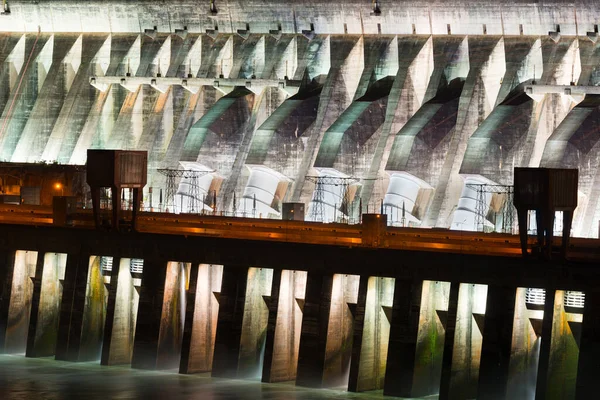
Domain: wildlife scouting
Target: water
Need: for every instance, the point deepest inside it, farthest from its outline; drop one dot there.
(46, 378)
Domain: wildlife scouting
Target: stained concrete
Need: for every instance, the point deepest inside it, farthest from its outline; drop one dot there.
(428, 93)
(121, 315)
(17, 324)
(371, 333)
(286, 304)
(45, 310)
(201, 318)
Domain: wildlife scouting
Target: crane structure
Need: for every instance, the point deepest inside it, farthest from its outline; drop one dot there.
(481, 208)
(174, 177)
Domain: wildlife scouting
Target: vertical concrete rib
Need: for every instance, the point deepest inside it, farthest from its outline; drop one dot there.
(449, 339)
(94, 310)
(7, 264)
(496, 345)
(19, 311)
(478, 97)
(371, 334)
(18, 106)
(52, 93)
(544, 361)
(188, 326)
(201, 319)
(404, 329)
(315, 323)
(152, 300)
(172, 316)
(525, 348)
(121, 314)
(285, 325)
(35, 305)
(589, 350)
(72, 309)
(273, 306)
(45, 305)
(230, 321)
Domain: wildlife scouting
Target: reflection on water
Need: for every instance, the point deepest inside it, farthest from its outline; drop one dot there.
(34, 378)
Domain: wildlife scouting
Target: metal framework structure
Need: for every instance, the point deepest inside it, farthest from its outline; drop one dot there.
(508, 209)
(317, 211)
(174, 177)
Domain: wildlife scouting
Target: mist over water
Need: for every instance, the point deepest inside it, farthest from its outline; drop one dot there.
(34, 378)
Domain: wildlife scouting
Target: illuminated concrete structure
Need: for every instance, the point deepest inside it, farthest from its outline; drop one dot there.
(412, 101)
(392, 94)
(370, 315)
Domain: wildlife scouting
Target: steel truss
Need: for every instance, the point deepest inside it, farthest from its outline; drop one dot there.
(174, 177)
(317, 212)
(508, 208)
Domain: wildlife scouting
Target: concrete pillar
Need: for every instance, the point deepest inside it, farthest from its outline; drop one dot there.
(254, 325)
(45, 305)
(242, 322)
(160, 316)
(589, 349)
(340, 331)
(449, 336)
(20, 302)
(172, 317)
(403, 338)
(285, 326)
(563, 355)
(7, 262)
(544, 358)
(313, 336)
(525, 351)
(466, 352)
(371, 333)
(72, 309)
(94, 311)
(202, 310)
(496, 344)
(229, 323)
(121, 315)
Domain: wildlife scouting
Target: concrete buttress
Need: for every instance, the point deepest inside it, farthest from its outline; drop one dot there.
(202, 311)
(121, 315)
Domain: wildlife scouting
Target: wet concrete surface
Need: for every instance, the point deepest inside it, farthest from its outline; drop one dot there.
(46, 378)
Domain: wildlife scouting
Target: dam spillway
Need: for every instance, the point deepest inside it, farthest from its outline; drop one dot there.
(404, 107)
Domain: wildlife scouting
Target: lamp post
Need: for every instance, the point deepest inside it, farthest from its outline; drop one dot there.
(59, 186)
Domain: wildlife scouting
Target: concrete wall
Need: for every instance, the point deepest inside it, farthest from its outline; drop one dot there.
(96, 298)
(340, 330)
(173, 315)
(467, 340)
(440, 107)
(20, 301)
(288, 326)
(120, 16)
(564, 351)
(205, 318)
(375, 335)
(525, 354)
(48, 308)
(122, 330)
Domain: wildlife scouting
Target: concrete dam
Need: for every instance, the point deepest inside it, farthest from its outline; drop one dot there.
(389, 107)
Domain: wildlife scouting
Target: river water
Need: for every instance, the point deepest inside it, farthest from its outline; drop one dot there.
(46, 378)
